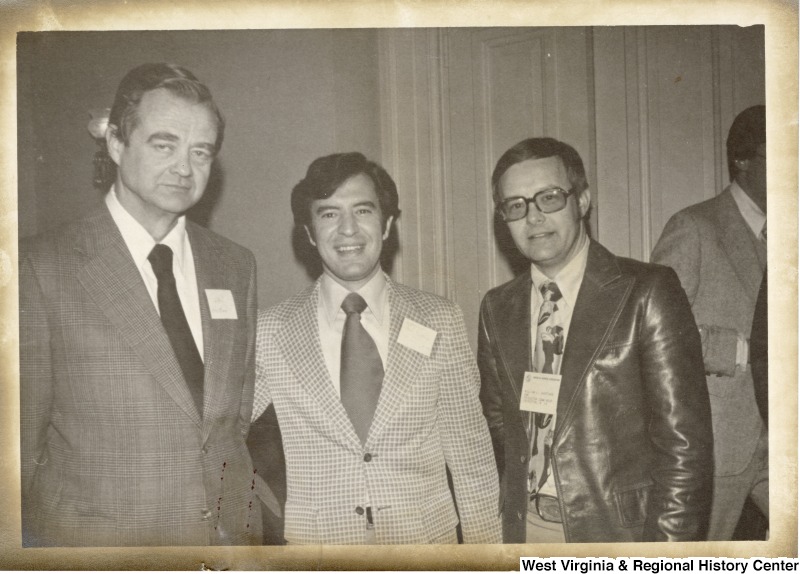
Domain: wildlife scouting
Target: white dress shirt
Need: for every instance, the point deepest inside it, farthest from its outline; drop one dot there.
(331, 318)
(751, 212)
(140, 243)
(569, 281)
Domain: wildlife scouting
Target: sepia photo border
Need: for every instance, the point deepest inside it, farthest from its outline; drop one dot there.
(781, 44)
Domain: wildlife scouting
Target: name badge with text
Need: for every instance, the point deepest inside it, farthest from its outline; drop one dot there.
(540, 393)
(416, 337)
(220, 304)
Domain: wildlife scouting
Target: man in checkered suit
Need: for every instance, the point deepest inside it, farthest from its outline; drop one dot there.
(387, 483)
(118, 447)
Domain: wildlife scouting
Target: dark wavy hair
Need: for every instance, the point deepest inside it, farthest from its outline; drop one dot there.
(326, 174)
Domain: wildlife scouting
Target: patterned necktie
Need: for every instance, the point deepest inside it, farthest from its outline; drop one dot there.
(361, 374)
(549, 331)
(175, 324)
(549, 344)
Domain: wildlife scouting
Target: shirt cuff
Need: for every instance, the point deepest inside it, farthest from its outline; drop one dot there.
(742, 352)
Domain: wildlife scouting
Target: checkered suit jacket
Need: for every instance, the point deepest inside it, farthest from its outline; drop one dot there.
(428, 416)
(114, 451)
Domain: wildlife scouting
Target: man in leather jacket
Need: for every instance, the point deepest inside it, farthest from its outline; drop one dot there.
(611, 440)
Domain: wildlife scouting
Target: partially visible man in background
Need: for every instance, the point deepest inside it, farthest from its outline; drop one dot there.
(719, 250)
(137, 332)
(374, 384)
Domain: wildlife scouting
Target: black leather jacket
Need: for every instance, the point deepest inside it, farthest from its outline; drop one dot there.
(632, 450)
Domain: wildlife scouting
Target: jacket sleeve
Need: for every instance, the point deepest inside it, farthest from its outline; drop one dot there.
(491, 398)
(264, 339)
(246, 410)
(680, 414)
(261, 399)
(465, 438)
(679, 248)
(36, 382)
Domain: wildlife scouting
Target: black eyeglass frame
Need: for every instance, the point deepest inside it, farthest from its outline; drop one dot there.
(528, 200)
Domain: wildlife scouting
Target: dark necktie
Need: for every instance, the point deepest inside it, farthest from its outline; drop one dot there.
(174, 321)
(361, 373)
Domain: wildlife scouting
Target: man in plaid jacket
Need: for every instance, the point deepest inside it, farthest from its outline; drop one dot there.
(121, 444)
(383, 481)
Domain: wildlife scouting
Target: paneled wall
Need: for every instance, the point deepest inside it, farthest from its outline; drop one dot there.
(648, 109)
(665, 99)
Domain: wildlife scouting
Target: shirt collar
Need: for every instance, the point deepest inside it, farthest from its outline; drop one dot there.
(139, 242)
(569, 279)
(751, 212)
(332, 293)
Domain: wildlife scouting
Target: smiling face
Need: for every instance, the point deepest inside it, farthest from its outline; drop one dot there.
(164, 168)
(347, 229)
(549, 240)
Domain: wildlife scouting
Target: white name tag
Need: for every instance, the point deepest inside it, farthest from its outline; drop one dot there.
(416, 337)
(540, 393)
(220, 303)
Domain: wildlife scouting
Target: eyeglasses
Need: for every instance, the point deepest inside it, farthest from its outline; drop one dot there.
(547, 201)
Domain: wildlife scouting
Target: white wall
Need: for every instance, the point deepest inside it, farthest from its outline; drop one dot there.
(288, 97)
(648, 108)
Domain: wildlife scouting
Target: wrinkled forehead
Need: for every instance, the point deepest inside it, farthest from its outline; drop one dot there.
(161, 109)
(161, 103)
(532, 175)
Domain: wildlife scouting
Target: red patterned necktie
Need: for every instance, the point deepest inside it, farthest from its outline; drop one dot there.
(361, 372)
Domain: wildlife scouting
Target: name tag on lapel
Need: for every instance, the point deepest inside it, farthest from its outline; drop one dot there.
(220, 304)
(540, 393)
(416, 337)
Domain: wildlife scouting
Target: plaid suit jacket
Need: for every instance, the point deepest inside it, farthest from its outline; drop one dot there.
(428, 416)
(114, 451)
(720, 263)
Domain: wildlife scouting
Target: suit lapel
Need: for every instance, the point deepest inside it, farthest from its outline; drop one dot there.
(299, 342)
(602, 294)
(737, 244)
(114, 283)
(512, 309)
(402, 363)
(211, 270)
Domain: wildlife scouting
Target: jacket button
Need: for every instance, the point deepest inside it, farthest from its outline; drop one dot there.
(204, 450)
(519, 515)
(367, 457)
(206, 513)
(359, 510)
(523, 459)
